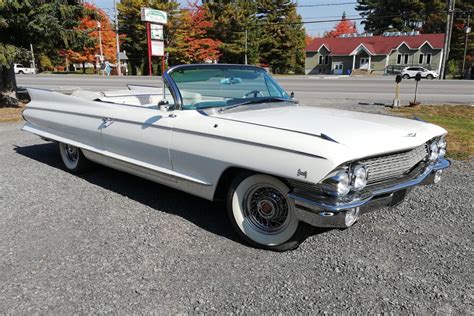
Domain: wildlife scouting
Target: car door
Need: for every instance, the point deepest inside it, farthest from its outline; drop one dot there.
(139, 136)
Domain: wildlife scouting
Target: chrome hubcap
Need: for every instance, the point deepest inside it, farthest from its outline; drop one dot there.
(72, 153)
(266, 209)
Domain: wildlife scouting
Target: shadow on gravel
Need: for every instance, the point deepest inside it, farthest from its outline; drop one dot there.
(208, 215)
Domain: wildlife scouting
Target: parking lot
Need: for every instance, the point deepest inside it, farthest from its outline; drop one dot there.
(107, 241)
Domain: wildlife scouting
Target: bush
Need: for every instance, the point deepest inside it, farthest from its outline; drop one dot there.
(45, 63)
(453, 67)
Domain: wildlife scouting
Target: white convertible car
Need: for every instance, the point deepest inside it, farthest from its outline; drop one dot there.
(231, 133)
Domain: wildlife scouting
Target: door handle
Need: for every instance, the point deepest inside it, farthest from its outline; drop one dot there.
(172, 115)
(107, 121)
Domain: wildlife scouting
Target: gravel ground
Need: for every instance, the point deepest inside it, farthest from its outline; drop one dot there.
(111, 242)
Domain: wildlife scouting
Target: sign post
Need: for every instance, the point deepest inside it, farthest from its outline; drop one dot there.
(396, 101)
(155, 21)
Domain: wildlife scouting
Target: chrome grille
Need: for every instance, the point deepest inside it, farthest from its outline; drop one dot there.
(393, 166)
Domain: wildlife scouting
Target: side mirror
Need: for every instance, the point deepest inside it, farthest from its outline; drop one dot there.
(292, 95)
(163, 105)
(418, 76)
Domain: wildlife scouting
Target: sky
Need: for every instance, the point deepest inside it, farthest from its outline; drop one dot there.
(323, 12)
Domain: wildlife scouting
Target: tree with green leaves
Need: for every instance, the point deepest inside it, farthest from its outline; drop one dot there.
(282, 36)
(135, 42)
(48, 25)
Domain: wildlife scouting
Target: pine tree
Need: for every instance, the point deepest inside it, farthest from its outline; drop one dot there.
(282, 36)
(231, 20)
(390, 15)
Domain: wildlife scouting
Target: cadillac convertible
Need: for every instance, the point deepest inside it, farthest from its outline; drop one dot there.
(231, 133)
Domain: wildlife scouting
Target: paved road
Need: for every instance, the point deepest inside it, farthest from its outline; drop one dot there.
(312, 90)
(109, 242)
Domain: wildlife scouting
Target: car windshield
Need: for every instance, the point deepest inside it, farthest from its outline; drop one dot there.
(206, 86)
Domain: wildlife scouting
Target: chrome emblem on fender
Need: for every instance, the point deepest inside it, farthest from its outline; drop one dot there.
(300, 173)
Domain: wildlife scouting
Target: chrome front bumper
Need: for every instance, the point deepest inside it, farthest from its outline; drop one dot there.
(325, 211)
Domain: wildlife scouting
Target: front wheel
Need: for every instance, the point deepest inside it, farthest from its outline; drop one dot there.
(430, 77)
(73, 158)
(262, 214)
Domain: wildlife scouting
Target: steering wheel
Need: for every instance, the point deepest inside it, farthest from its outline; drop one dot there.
(254, 94)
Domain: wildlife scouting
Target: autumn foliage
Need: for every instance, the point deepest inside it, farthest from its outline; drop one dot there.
(191, 42)
(89, 24)
(345, 26)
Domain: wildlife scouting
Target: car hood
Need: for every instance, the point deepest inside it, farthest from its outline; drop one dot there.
(363, 134)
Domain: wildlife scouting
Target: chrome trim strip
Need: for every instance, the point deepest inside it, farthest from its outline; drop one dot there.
(269, 126)
(248, 142)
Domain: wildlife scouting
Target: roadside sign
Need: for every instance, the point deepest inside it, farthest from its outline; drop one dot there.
(157, 48)
(154, 16)
(156, 32)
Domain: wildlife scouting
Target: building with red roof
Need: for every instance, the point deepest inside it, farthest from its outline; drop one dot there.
(388, 53)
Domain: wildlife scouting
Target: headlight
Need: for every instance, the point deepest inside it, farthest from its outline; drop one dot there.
(343, 186)
(359, 178)
(434, 151)
(442, 146)
(339, 184)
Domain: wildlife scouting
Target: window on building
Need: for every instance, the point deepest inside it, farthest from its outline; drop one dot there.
(321, 59)
(428, 59)
(326, 59)
(421, 58)
(405, 59)
(399, 59)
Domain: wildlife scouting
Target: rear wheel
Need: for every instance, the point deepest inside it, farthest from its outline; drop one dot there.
(406, 77)
(73, 158)
(262, 214)
(20, 72)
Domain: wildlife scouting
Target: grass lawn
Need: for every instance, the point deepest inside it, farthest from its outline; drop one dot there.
(11, 114)
(458, 120)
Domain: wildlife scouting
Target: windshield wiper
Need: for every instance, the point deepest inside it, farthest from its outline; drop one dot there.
(265, 100)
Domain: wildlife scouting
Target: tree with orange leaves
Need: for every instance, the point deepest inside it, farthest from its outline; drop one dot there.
(191, 43)
(90, 24)
(345, 26)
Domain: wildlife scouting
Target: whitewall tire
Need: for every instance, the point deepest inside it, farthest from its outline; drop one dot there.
(73, 158)
(261, 212)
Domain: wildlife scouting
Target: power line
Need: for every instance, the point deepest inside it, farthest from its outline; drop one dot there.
(324, 4)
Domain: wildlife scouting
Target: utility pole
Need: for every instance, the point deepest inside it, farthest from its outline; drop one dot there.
(447, 37)
(467, 30)
(100, 48)
(33, 57)
(119, 68)
(246, 44)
